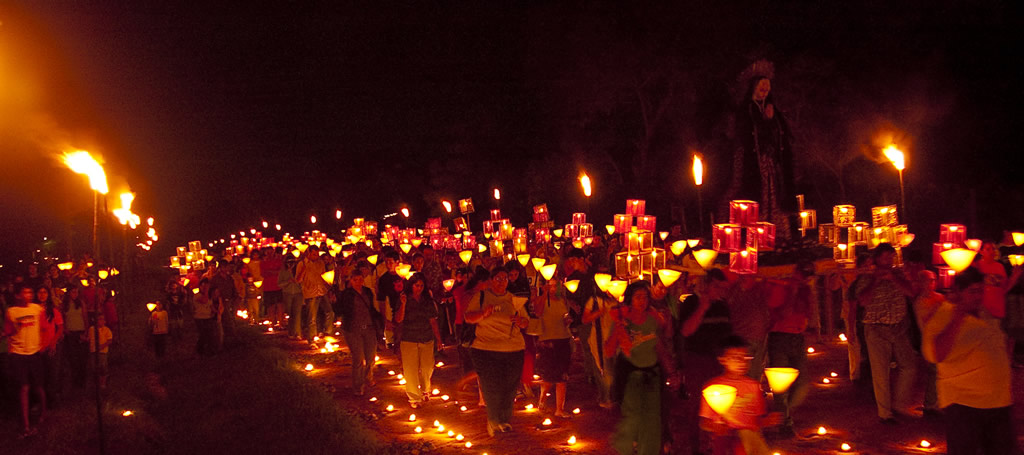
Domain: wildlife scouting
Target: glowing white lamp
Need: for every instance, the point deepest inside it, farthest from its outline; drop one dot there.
(720, 397)
(958, 259)
(669, 276)
(779, 379)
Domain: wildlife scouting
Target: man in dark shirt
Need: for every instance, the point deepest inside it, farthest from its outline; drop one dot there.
(387, 297)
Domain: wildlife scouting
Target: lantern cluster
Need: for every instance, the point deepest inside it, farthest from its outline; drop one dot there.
(743, 236)
(579, 231)
(845, 233)
(808, 217)
(953, 251)
(640, 260)
(542, 224)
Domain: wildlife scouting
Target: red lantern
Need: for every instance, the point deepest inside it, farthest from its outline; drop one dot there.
(726, 238)
(952, 233)
(635, 207)
(743, 262)
(623, 223)
(646, 222)
(743, 213)
(761, 236)
(579, 218)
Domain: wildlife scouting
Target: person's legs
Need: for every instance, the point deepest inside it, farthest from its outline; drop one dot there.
(628, 428)
(410, 369)
(369, 341)
(758, 350)
(293, 302)
(963, 435)
(906, 366)
(354, 341)
(425, 351)
(998, 437)
(649, 433)
(880, 355)
(511, 368)
(312, 306)
(489, 374)
(853, 352)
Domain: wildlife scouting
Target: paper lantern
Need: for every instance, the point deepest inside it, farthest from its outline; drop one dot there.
(495, 214)
(579, 218)
(404, 270)
(668, 276)
(958, 259)
(944, 277)
(884, 216)
(808, 219)
(828, 234)
(541, 235)
(720, 397)
(633, 243)
(540, 213)
(678, 247)
(937, 249)
(743, 262)
(726, 238)
(405, 247)
(844, 253)
(627, 265)
(623, 223)
(505, 230)
(602, 280)
(973, 244)
(586, 230)
(572, 285)
(617, 288)
(646, 223)
(844, 215)
(538, 263)
(743, 212)
(1016, 259)
(858, 233)
(571, 231)
(635, 207)
(1018, 238)
(779, 379)
(952, 233)
(705, 257)
(548, 271)
(880, 235)
(489, 227)
(181, 250)
(466, 206)
(466, 256)
(258, 284)
(469, 242)
(195, 245)
(762, 236)
(150, 306)
(497, 248)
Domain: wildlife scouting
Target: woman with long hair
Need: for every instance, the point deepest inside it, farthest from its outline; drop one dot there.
(417, 315)
(53, 344)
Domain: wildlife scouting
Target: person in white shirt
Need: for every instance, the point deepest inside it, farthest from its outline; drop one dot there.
(26, 325)
(973, 371)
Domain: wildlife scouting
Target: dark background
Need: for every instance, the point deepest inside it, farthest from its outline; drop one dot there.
(221, 115)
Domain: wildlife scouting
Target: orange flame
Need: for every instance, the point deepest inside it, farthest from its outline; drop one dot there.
(698, 170)
(81, 162)
(585, 182)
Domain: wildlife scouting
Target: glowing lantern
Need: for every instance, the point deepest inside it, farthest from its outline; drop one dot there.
(924, 444)
(447, 206)
(548, 271)
(445, 397)
(451, 434)
(576, 411)
(958, 259)
(309, 367)
(845, 447)
(482, 248)
(448, 284)
(538, 263)
(698, 170)
(572, 285)
(459, 437)
(194, 290)
(412, 417)
(572, 440)
(669, 276)
(246, 260)
(546, 422)
(1018, 238)
(469, 444)
(418, 429)
(65, 265)
(328, 276)
(127, 413)
(1016, 259)
(743, 213)
(779, 379)
(405, 247)
(810, 350)
(497, 195)
(103, 274)
(312, 219)
(822, 431)
(389, 408)
(602, 280)
(529, 407)
(973, 244)
(678, 247)
(557, 232)
(720, 397)
(150, 306)
(372, 259)
(463, 408)
(617, 288)
(842, 337)
(610, 228)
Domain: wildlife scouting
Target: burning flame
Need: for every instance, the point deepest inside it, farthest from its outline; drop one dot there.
(895, 156)
(405, 212)
(497, 195)
(81, 162)
(585, 182)
(447, 206)
(698, 170)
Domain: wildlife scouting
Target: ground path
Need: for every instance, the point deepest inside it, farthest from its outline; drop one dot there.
(845, 410)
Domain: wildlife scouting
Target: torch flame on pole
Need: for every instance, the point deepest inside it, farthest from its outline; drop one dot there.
(447, 206)
(698, 170)
(585, 182)
(895, 155)
(497, 195)
(81, 162)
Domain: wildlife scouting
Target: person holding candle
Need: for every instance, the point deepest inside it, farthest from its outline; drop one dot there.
(387, 296)
(417, 316)
(643, 364)
(969, 350)
(497, 350)
(738, 431)
(203, 315)
(308, 273)
(789, 313)
(270, 270)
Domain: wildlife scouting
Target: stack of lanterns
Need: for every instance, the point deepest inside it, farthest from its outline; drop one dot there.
(499, 230)
(743, 236)
(845, 234)
(542, 224)
(951, 252)
(579, 231)
(808, 217)
(641, 260)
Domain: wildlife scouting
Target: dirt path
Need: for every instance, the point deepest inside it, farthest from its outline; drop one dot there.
(845, 410)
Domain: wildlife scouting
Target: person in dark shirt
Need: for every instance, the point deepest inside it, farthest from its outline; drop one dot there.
(361, 323)
(705, 317)
(387, 297)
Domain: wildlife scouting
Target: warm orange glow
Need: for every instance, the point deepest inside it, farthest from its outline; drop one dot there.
(405, 212)
(309, 367)
(572, 440)
(602, 280)
(822, 431)
(466, 256)
(448, 284)
(1016, 259)
(706, 257)
(572, 285)
(328, 276)
(65, 265)
(958, 259)
(585, 182)
(895, 156)
(779, 379)
(548, 271)
(845, 447)
(497, 195)
(698, 170)
(1018, 238)
(669, 276)
(103, 274)
(405, 247)
(127, 413)
(720, 397)
(150, 306)
(610, 228)
(447, 206)
(312, 219)
(617, 288)
(678, 247)
(81, 162)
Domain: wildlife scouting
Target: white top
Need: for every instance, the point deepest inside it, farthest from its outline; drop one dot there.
(158, 321)
(496, 332)
(976, 373)
(27, 322)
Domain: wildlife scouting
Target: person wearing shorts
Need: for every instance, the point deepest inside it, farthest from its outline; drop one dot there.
(26, 325)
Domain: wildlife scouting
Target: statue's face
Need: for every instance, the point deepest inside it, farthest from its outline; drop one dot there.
(761, 90)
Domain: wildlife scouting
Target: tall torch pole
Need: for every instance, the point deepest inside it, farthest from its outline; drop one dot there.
(898, 160)
(698, 179)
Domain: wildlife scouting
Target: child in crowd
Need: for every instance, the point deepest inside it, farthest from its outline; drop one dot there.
(105, 337)
(158, 326)
(738, 431)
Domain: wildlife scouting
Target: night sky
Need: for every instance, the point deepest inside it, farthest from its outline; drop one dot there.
(221, 115)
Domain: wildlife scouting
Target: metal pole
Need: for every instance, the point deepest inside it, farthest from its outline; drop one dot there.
(903, 199)
(95, 226)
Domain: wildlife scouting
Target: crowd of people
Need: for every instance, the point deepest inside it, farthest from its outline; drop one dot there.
(648, 355)
(55, 321)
